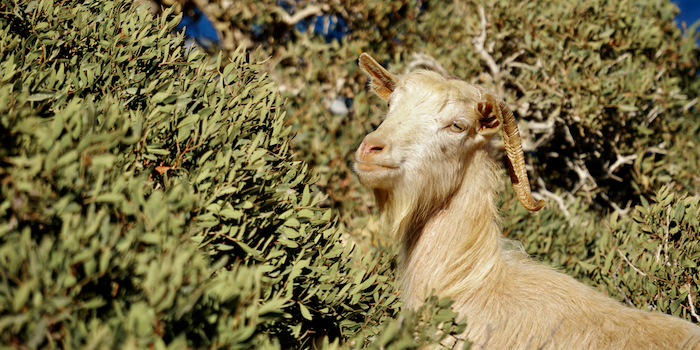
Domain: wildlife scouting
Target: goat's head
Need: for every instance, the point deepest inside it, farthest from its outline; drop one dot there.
(433, 127)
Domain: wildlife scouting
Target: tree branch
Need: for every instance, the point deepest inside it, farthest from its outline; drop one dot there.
(630, 264)
(425, 60)
(310, 10)
(617, 286)
(560, 201)
(479, 42)
(692, 306)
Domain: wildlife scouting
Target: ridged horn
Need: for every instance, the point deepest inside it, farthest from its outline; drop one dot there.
(516, 160)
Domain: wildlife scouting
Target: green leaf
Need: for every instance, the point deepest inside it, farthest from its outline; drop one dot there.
(305, 312)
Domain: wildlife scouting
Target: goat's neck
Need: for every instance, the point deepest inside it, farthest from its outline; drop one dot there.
(457, 243)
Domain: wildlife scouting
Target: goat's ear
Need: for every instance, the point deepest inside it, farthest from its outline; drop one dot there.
(489, 114)
(381, 81)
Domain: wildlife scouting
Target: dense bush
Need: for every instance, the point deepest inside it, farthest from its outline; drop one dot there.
(604, 89)
(652, 259)
(150, 196)
(150, 199)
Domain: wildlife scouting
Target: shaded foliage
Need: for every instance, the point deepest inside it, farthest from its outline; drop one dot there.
(151, 196)
(150, 199)
(603, 89)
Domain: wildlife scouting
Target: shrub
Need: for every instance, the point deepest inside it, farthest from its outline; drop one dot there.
(604, 90)
(150, 199)
(652, 258)
(150, 196)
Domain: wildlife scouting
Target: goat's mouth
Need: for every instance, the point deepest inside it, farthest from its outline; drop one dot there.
(370, 167)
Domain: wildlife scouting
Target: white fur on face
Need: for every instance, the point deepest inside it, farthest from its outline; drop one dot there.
(420, 144)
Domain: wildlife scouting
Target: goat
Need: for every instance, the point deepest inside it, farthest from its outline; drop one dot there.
(431, 167)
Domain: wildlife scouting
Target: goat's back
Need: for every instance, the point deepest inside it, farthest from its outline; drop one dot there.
(539, 308)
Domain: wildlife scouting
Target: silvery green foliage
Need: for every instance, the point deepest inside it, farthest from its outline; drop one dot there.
(601, 88)
(604, 90)
(150, 199)
(652, 257)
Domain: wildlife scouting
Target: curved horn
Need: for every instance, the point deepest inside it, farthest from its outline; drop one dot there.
(516, 160)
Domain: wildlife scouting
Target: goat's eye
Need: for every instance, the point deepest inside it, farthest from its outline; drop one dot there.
(457, 126)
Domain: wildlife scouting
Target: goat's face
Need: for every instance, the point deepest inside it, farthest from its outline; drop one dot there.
(429, 132)
(433, 127)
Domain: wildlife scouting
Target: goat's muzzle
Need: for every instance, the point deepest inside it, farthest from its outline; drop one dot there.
(373, 154)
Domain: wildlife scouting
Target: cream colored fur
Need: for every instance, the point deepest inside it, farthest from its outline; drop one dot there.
(435, 188)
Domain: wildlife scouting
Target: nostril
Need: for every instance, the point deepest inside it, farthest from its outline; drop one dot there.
(373, 145)
(374, 148)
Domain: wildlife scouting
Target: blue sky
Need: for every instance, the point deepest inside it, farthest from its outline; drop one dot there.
(690, 11)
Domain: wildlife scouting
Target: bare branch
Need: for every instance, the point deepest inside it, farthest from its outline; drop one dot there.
(666, 233)
(520, 65)
(689, 105)
(567, 133)
(310, 10)
(620, 161)
(544, 192)
(425, 60)
(551, 335)
(618, 60)
(509, 60)
(657, 150)
(617, 286)
(653, 113)
(630, 264)
(479, 42)
(539, 65)
(620, 212)
(660, 73)
(583, 176)
(692, 306)
(528, 129)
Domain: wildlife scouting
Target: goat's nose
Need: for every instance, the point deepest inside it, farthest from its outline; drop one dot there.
(372, 145)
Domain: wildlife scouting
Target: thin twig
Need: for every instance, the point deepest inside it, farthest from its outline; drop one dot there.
(539, 65)
(617, 286)
(690, 104)
(657, 150)
(618, 60)
(660, 73)
(567, 133)
(620, 212)
(529, 128)
(667, 229)
(583, 176)
(455, 340)
(479, 42)
(310, 10)
(421, 59)
(692, 306)
(630, 264)
(560, 201)
(509, 60)
(551, 335)
(620, 161)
